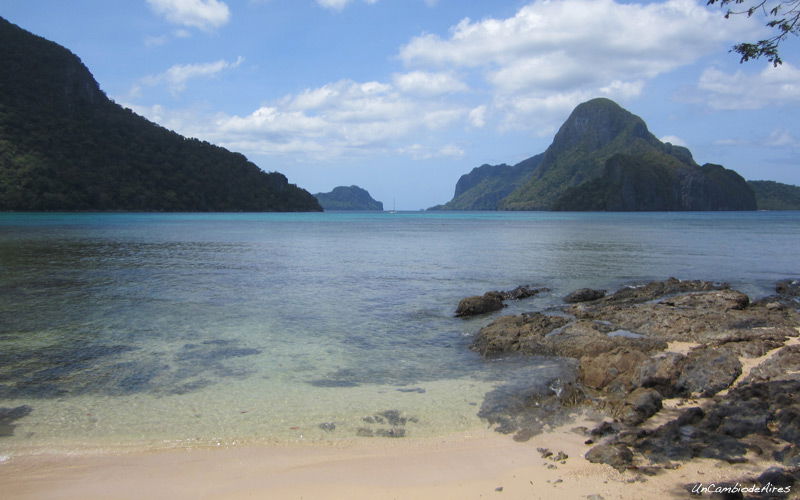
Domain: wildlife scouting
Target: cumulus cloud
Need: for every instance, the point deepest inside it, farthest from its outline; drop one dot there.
(203, 14)
(430, 84)
(176, 77)
(324, 123)
(742, 90)
(421, 152)
(552, 55)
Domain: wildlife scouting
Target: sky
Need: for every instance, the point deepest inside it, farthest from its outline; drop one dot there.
(402, 97)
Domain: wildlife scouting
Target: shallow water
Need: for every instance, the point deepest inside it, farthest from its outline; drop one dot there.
(162, 329)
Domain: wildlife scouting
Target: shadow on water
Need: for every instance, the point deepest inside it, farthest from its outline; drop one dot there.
(9, 415)
(536, 395)
(115, 370)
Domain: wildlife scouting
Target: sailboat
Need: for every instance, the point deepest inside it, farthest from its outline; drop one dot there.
(393, 210)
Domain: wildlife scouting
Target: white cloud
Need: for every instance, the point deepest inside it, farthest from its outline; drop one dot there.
(551, 55)
(339, 4)
(477, 116)
(674, 139)
(431, 84)
(203, 14)
(325, 123)
(421, 152)
(781, 138)
(742, 90)
(176, 77)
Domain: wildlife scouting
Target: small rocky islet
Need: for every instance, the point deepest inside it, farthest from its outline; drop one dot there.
(679, 369)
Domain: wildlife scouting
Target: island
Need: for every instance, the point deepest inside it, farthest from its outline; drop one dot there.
(348, 198)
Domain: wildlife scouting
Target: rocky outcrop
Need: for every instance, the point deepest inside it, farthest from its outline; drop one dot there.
(626, 370)
(604, 158)
(584, 295)
(493, 301)
(479, 304)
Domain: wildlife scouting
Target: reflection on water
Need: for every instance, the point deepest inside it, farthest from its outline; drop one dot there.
(297, 319)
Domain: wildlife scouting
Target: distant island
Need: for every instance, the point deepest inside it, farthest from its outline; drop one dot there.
(64, 145)
(348, 198)
(771, 195)
(604, 158)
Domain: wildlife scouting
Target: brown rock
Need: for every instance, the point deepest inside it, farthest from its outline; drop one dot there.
(639, 405)
(521, 333)
(718, 300)
(708, 371)
(660, 372)
(584, 295)
(613, 370)
(658, 289)
(480, 304)
(783, 365)
(617, 456)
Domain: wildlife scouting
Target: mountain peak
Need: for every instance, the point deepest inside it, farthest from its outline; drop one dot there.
(596, 123)
(604, 158)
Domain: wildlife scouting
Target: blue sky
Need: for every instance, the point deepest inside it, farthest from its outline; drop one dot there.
(402, 97)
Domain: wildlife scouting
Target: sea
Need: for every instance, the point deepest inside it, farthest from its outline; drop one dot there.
(128, 331)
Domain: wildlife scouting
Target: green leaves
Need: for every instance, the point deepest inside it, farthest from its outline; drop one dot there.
(784, 26)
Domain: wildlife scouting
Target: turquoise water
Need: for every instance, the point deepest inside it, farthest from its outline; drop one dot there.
(148, 330)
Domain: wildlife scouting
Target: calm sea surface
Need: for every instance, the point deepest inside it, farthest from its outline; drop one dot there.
(154, 330)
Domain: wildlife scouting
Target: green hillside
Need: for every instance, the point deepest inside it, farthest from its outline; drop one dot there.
(771, 195)
(604, 158)
(65, 146)
(348, 198)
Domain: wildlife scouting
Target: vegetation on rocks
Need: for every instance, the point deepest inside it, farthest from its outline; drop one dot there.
(64, 145)
(604, 158)
(348, 198)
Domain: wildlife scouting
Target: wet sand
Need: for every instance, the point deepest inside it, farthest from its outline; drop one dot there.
(480, 464)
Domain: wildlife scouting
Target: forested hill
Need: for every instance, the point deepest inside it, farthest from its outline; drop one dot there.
(65, 146)
(348, 198)
(604, 158)
(771, 195)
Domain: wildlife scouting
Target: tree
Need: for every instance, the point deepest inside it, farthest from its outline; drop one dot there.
(784, 18)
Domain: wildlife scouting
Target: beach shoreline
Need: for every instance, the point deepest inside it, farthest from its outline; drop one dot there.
(477, 464)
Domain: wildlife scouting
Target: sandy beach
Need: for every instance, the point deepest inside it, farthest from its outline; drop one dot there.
(481, 464)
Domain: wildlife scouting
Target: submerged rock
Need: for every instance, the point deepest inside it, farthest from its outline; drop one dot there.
(540, 397)
(9, 415)
(327, 426)
(789, 288)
